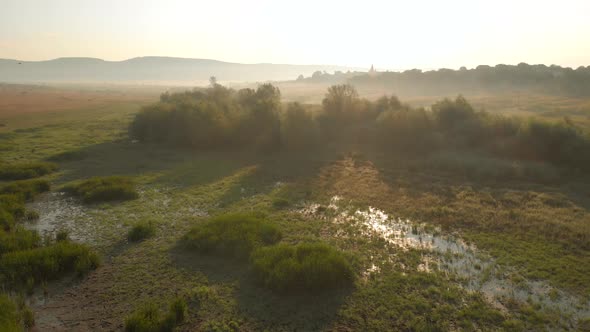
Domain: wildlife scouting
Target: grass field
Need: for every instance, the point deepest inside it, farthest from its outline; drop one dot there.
(431, 249)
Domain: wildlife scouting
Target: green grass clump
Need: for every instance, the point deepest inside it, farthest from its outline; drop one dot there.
(26, 189)
(140, 231)
(280, 203)
(9, 317)
(235, 235)
(26, 170)
(149, 318)
(46, 263)
(18, 239)
(12, 204)
(6, 220)
(14, 315)
(304, 267)
(104, 189)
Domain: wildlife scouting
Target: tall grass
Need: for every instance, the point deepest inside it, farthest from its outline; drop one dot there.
(32, 266)
(104, 189)
(18, 239)
(234, 235)
(149, 317)
(9, 316)
(26, 189)
(305, 267)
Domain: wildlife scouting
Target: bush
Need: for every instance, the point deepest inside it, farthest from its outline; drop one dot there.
(26, 189)
(26, 170)
(46, 263)
(305, 267)
(149, 318)
(212, 118)
(140, 231)
(104, 189)
(232, 235)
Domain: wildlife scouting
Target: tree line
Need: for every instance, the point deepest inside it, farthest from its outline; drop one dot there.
(220, 117)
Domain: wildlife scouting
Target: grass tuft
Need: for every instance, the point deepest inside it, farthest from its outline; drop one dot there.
(25, 189)
(149, 318)
(141, 231)
(304, 267)
(24, 171)
(46, 263)
(104, 189)
(235, 235)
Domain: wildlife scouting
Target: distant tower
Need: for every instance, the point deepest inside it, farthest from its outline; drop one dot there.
(372, 71)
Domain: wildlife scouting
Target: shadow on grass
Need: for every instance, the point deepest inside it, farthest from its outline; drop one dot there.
(274, 169)
(271, 311)
(179, 167)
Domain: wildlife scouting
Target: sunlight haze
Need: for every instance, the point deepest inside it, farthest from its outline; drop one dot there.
(389, 34)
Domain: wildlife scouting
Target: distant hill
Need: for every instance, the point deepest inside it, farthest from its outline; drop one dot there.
(151, 69)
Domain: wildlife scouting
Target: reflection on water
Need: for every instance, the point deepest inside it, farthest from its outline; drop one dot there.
(453, 257)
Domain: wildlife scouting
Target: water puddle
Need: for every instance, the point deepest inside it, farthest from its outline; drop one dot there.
(453, 257)
(57, 211)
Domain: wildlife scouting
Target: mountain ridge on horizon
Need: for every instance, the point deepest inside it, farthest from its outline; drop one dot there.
(152, 68)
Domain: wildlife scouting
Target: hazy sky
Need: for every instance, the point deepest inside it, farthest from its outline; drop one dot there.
(390, 34)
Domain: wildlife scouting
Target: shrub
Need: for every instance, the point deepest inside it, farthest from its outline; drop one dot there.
(149, 318)
(232, 235)
(26, 189)
(103, 189)
(304, 267)
(46, 263)
(25, 170)
(140, 231)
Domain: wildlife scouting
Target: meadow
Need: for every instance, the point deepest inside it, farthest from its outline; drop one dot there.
(421, 242)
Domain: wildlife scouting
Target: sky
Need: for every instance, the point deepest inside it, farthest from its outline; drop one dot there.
(392, 34)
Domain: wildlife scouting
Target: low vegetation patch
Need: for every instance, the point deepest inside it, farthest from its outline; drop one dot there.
(26, 189)
(280, 203)
(304, 267)
(149, 318)
(9, 317)
(26, 170)
(104, 189)
(141, 231)
(18, 239)
(46, 263)
(235, 235)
